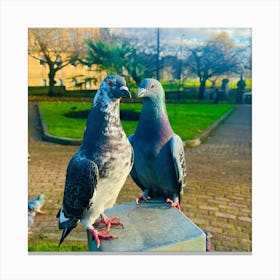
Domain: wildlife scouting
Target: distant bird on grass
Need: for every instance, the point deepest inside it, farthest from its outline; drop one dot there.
(98, 170)
(159, 160)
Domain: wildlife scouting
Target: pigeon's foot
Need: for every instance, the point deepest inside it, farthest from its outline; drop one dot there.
(41, 212)
(108, 221)
(97, 235)
(141, 198)
(144, 197)
(208, 241)
(173, 204)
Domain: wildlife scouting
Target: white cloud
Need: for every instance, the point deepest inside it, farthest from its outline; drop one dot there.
(174, 34)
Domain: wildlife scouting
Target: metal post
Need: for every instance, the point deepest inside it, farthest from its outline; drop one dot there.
(180, 62)
(158, 77)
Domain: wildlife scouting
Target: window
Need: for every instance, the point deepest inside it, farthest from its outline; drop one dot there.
(56, 37)
(86, 34)
(71, 36)
(74, 82)
(88, 84)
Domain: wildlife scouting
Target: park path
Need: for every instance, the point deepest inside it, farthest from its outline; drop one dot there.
(218, 197)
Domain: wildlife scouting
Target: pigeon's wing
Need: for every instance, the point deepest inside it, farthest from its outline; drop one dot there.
(178, 155)
(133, 172)
(33, 205)
(81, 181)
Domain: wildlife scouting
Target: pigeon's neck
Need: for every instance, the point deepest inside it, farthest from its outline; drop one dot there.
(154, 106)
(103, 123)
(154, 120)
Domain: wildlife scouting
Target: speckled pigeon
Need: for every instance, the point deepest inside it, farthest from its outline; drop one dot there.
(159, 167)
(36, 204)
(98, 170)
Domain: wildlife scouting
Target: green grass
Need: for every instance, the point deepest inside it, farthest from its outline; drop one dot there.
(53, 247)
(187, 120)
(60, 125)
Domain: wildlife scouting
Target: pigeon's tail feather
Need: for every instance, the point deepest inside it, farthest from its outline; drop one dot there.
(65, 232)
(67, 224)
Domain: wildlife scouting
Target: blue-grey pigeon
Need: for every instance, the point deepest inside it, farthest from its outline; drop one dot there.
(98, 170)
(159, 167)
(36, 204)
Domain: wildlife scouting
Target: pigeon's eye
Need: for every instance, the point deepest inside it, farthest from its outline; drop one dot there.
(110, 83)
(152, 86)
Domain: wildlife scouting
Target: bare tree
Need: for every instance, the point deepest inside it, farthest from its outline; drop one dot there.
(51, 47)
(216, 57)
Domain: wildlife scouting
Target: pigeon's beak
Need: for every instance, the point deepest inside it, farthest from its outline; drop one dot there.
(141, 92)
(124, 92)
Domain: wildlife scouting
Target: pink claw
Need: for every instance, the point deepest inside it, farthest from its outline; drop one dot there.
(108, 221)
(101, 235)
(141, 198)
(173, 204)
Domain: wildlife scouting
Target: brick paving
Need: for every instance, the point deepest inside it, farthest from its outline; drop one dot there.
(218, 197)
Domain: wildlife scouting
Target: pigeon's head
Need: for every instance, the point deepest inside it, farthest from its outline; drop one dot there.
(151, 88)
(41, 197)
(112, 87)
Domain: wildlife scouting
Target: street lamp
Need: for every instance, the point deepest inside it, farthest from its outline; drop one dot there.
(180, 61)
(158, 47)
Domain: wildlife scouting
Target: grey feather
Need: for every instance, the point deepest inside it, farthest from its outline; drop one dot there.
(133, 172)
(178, 155)
(81, 181)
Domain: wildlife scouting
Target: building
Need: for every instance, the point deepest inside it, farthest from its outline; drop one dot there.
(60, 44)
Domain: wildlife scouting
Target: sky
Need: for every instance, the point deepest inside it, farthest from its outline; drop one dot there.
(237, 35)
(172, 39)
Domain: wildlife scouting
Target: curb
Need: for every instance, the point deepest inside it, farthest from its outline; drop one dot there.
(50, 138)
(74, 141)
(204, 135)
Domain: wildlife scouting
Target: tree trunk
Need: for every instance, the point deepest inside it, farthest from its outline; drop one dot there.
(201, 89)
(51, 83)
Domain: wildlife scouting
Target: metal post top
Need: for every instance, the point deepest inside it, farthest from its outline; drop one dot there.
(151, 226)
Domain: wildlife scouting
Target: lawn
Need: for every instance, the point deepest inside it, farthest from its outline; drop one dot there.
(53, 247)
(187, 120)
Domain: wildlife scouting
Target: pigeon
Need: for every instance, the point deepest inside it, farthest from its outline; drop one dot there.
(159, 167)
(36, 204)
(98, 170)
